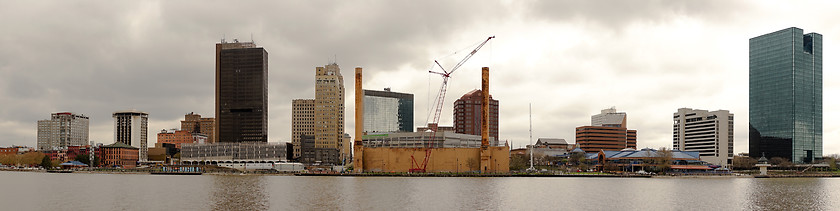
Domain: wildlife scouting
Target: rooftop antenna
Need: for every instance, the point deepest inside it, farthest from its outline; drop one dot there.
(223, 38)
(252, 37)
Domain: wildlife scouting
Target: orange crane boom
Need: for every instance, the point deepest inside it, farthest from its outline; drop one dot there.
(416, 167)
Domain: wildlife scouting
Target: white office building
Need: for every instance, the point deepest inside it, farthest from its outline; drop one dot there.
(131, 128)
(610, 118)
(707, 132)
(63, 129)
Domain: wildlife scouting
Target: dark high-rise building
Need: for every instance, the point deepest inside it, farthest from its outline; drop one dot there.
(468, 114)
(241, 92)
(786, 95)
(387, 111)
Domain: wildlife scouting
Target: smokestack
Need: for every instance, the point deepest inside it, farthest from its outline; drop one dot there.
(485, 107)
(360, 107)
(358, 147)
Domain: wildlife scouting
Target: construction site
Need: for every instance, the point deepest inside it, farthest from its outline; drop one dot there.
(430, 151)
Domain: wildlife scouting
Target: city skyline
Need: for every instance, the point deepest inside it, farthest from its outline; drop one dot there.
(580, 60)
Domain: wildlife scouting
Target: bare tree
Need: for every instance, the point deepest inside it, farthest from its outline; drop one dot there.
(663, 160)
(744, 162)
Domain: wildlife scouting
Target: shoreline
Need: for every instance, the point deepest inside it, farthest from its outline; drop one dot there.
(124, 171)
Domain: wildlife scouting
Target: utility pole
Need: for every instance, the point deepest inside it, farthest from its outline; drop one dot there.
(531, 139)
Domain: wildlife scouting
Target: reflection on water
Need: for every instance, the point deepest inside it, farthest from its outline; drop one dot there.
(239, 193)
(42, 191)
(792, 194)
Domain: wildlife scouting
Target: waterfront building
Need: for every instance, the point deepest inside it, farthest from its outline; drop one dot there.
(553, 147)
(194, 123)
(178, 137)
(387, 111)
(241, 92)
(329, 108)
(316, 155)
(119, 154)
(467, 114)
(131, 128)
(163, 153)
(634, 160)
(8, 151)
(443, 139)
(786, 95)
(607, 132)
(709, 133)
(303, 122)
(62, 130)
(233, 151)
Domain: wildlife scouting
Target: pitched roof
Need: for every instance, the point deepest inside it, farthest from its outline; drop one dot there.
(119, 145)
(649, 153)
(551, 141)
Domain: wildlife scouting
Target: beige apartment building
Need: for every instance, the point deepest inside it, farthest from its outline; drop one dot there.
(329, 108)
(322, 117)
(303, 121)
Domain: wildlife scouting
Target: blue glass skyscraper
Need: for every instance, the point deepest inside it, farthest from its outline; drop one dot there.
(786, 95)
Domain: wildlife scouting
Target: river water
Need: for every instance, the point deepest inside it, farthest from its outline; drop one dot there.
(80, 191)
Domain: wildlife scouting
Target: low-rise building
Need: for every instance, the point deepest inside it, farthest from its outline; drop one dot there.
(443, 139)
(635, 160)
(314, 155)
(552, 147)
(178, 137)
(119, 154)
(233, 151)
(8, 150)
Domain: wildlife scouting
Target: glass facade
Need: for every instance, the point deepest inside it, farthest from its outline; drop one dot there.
(786, 95)
(387, 111)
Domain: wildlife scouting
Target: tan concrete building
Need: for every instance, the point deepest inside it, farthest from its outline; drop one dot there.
(194, 123)
(303, 122)
(329, 107)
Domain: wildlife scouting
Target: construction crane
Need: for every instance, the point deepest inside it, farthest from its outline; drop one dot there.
(421, 168)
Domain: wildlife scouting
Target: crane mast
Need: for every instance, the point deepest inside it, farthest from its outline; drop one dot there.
(417, 167)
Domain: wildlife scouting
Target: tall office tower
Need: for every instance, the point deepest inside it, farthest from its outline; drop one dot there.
(62, 130)
(303, 122)
(329, 107)
(131, 128)
(467, 114)
(607, 132)
(610, 118)
(196, 124)
(241, 92)
(786, 95)
(387, 111)
(710, 133)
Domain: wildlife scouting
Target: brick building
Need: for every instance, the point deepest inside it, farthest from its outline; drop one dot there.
(467, 114)
(119, 154)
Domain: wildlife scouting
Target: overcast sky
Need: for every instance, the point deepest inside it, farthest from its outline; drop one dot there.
(570, 59)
